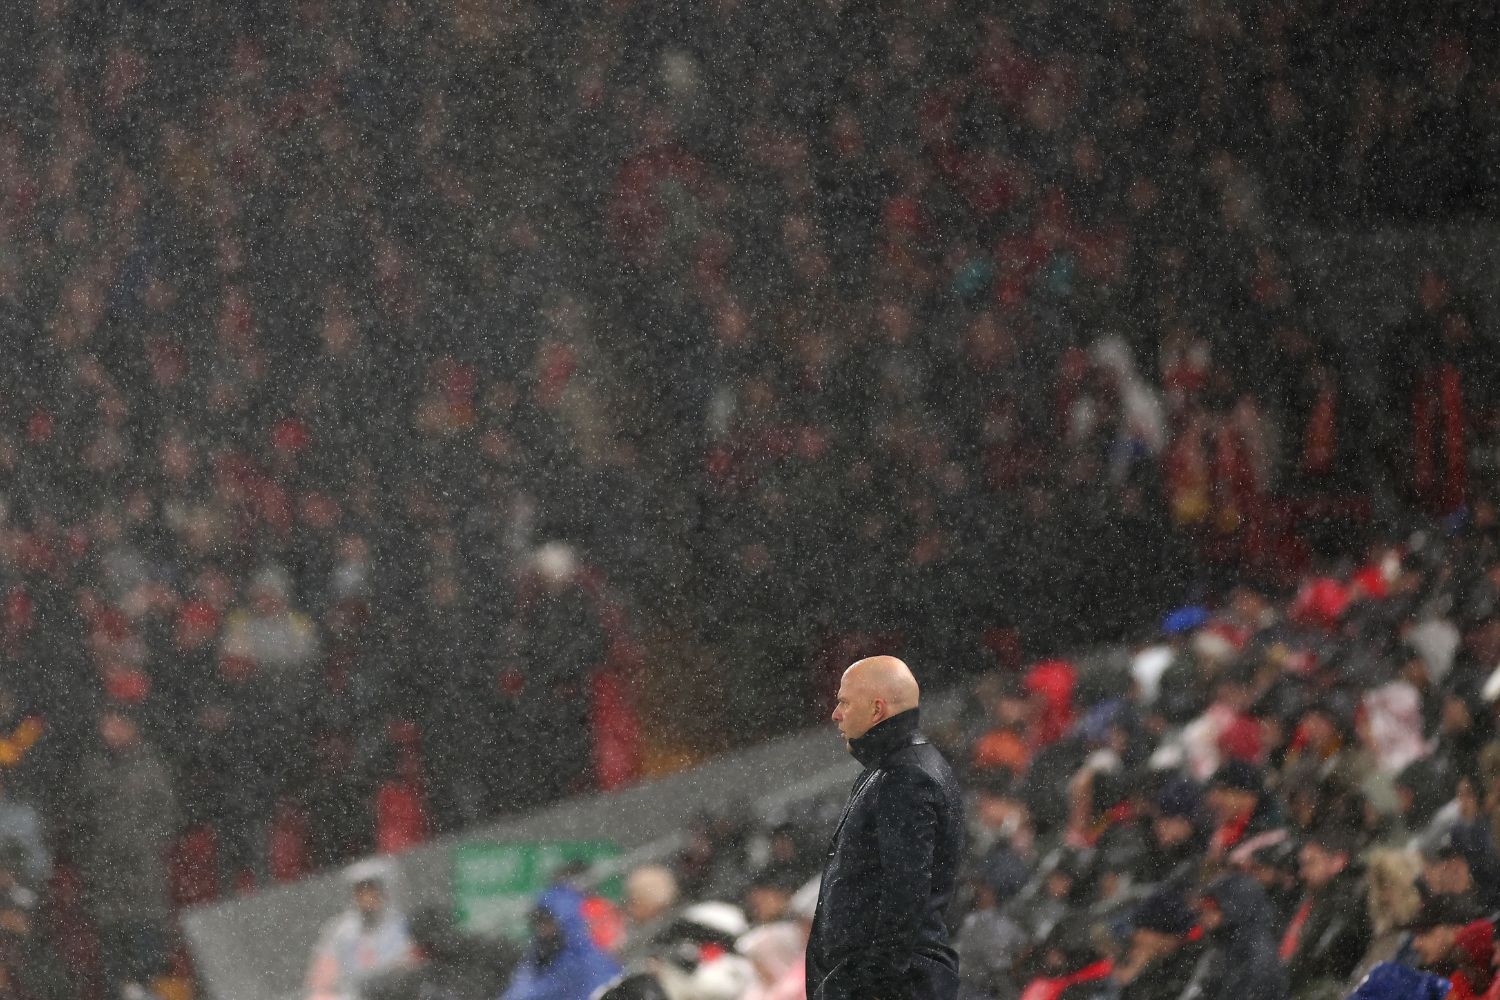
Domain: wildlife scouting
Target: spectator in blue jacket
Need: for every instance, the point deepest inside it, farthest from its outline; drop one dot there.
(562, 962)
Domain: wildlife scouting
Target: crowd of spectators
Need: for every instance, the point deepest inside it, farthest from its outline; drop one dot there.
(372, 369)
(1290, 795)
(1284, 796)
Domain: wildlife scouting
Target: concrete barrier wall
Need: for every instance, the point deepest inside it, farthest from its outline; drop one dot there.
(256, 947)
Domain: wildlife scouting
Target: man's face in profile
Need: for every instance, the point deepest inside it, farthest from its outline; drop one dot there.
(852, 712)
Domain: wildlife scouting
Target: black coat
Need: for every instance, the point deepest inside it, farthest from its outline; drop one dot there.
(1244, 964)
(880, 931)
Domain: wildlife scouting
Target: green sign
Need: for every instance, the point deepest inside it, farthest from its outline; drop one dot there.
(495, 884)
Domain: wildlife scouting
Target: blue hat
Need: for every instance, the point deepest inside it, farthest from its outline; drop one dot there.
(1185, 620)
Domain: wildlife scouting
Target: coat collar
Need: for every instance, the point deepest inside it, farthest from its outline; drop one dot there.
(894, 733)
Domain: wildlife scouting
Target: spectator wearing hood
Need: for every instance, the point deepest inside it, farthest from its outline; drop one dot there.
(1178, 833)
(1162, 957)
(369, 939)
(1329, 932)
(1239, 922)
(561, 962)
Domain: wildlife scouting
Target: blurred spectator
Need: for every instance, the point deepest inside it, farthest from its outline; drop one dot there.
(1240, 923)
(279, 645)
(771, 890)
(122, 849)
(29, 967)
(1389, 981)
(1329, 931)
(1070, 964)
(635, 986)
(650, 892)
(1443, 942)
(561, 961)
(990, 943)
(21, 830)
(1160, 960)
(776, 950)
(561, 644)
(1393, 902)
(367, 940)
(694, 956)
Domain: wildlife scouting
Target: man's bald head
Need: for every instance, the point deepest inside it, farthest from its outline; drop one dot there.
(873, 690)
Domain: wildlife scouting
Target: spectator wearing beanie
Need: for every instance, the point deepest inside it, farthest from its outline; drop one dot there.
(1446, 866)
(1178, 833)
(1271, 859)
(1240, 806)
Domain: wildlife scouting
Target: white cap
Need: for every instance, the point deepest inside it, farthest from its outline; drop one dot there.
(726, 918)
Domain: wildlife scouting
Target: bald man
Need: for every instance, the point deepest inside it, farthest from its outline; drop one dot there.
(880, 931)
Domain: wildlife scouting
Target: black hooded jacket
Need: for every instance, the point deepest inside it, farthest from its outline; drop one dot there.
(880, 932)
(1243, 962)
